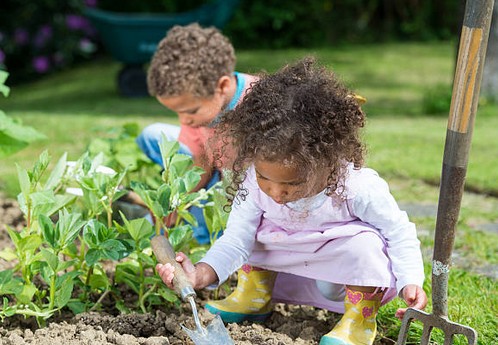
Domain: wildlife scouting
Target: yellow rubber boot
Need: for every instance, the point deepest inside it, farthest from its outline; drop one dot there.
(358, 325)
(250, 300)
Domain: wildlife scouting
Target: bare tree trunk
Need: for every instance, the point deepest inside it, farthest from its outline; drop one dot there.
(489, 87)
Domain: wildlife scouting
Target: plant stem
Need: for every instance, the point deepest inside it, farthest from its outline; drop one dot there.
(52, 292)
(101, 298)
(141, 289)
(146, 294)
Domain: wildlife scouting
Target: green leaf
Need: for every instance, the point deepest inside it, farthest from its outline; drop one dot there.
(180, 164)
(146, 259)
(48, 230)
(178, 236)
(99, 282)
(127, 273)
(113, 249)
(14, 235)
(14, 136)
(57, 173)
(192, 179)
(60, 201)
(139, 228)
(8, 254)
(64, 292)
(163, 197)
(179, 187)
(167, 148)
(9, 284)
(4, 88)
(188, 217)
(169, 295)
(29, 243)
(77, 307)
(9, 145)
(26, 294)
(64, 265)
(51, 259)
(68, 226)
(92, 256)
(24, 182)
(7, 310)
(42, 202)
(94, 233)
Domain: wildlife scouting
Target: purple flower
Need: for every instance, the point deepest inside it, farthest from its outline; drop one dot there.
(21, 37)
(91, 3)
(76, 22)
(2, 57)
(43, 35)
(41, 64)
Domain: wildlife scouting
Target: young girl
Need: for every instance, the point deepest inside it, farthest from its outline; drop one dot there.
(307, 209)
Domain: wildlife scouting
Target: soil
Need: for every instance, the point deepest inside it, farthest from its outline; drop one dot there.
(288, 324)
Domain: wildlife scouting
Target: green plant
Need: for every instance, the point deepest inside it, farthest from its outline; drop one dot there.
(13, 135)
(121, 152)
(69, 237)
(175, 195)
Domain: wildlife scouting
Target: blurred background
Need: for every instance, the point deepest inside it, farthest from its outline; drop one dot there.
(43, 36)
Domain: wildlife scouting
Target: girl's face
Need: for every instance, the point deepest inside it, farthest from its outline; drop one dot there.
(286, 183)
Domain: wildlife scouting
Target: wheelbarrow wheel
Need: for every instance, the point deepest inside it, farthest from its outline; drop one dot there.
(132, 81)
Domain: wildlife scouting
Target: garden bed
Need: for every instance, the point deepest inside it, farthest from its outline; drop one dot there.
(287, 325)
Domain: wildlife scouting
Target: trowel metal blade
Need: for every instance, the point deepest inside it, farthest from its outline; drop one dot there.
(214, 334)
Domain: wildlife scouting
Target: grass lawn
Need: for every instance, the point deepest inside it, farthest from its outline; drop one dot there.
(405, 144)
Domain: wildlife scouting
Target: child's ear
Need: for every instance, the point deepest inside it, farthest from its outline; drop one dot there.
(224, 84)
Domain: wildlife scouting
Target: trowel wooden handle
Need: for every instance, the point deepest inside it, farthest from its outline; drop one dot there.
(165, 254)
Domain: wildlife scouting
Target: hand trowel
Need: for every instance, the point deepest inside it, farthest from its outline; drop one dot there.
(215, 333)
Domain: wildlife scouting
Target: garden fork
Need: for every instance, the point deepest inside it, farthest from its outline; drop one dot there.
(466, 87)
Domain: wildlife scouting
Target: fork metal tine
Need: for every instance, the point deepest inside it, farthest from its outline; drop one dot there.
(429, 323)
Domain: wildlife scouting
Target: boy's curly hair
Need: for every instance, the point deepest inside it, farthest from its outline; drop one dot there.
(301, 114)
(190, 59)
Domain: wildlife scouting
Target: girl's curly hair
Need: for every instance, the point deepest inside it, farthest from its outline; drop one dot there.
(301, 114)
(190, 59)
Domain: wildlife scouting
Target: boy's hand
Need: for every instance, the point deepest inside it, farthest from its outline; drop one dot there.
(414, 297)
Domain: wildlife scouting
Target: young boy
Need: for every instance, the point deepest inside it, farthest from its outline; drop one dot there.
(192, 73)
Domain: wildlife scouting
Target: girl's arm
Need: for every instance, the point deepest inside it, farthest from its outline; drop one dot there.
(373, 203)
(232, 250)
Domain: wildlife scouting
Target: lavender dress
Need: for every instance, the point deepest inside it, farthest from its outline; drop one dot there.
(365, 240)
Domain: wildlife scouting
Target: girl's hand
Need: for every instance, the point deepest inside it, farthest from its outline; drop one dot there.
(414, 297)
(199, 275)
(167, 271)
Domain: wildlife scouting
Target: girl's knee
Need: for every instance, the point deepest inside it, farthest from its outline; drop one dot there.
(331, 291)
(366, 241)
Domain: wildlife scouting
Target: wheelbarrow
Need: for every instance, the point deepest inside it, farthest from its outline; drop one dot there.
(131, 38)
(466, 87)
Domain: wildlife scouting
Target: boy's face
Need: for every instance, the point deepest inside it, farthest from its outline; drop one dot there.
(194, 111)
